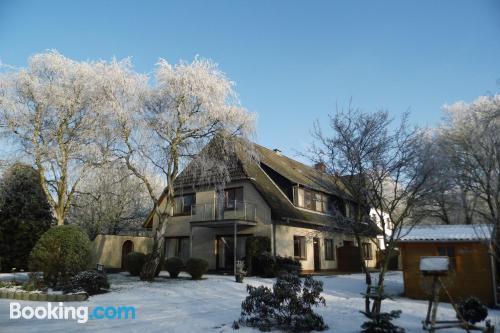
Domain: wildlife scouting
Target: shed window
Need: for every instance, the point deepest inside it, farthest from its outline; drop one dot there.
(299, 247)
(329, 252)
(449, 251)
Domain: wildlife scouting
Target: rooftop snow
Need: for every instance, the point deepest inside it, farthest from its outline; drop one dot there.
(446, 233)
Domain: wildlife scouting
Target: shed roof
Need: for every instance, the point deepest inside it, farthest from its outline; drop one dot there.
(446, 233)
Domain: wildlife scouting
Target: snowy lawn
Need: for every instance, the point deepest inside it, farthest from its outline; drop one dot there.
(211, 305)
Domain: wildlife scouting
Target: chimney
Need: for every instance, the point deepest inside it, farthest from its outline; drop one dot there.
(320, 166)
(277, 151)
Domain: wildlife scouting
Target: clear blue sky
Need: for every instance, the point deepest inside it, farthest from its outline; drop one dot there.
(292, 60)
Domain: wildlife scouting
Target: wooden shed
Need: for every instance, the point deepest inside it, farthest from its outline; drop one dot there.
(472, 268)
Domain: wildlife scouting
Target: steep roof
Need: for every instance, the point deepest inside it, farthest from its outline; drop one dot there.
(447, 233)
(300, 173)
(282, 209)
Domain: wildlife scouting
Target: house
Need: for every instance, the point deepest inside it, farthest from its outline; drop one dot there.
(472, 267)
(292, 204)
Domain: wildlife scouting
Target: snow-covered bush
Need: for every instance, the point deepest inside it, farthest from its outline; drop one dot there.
(92, 282)
(287, 307)
(61, 253)
(174, 266)
(134, 262)
(382, 323)
(196, 267)
(472, 310)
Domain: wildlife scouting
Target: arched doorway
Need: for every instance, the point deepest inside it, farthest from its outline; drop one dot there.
(127, 247)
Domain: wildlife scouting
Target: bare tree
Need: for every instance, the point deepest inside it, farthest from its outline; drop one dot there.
(110, 200)
(190, 105)
(382, 167)
(52, 110)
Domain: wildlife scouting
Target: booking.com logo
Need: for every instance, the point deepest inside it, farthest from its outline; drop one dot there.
(81, 314)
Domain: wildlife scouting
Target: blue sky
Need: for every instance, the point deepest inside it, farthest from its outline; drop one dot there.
(293, 61)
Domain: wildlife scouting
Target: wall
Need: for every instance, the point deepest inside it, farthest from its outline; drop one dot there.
(107, 249)
(204, 238)
(284, 245)
(472, 276)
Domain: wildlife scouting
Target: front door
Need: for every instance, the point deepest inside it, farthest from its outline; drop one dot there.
(225, 253)
(317, 261)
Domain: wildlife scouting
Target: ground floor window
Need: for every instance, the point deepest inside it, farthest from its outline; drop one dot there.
(177, 247)
(299, 247)
(329, 250)
(367, 250)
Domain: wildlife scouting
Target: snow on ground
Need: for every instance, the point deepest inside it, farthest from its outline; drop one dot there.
(212, 304)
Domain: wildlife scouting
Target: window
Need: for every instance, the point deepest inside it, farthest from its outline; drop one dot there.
(183, 203)
(299, 247)
(233, 197)
(449, 251)
(177, 247)
(367, 250)
(329, 250)
(313, 200)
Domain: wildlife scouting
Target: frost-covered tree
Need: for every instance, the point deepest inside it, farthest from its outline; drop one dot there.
(190, 104)
(52, 109)
(109, 201)
(381, 166)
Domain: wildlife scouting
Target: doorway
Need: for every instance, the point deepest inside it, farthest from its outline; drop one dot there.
(127, 247)
(317, 258)
(225, 251)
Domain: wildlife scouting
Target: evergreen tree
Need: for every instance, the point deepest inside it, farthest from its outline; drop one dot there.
(25, 215)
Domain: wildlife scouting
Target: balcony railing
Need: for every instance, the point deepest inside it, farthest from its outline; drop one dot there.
(232, 210)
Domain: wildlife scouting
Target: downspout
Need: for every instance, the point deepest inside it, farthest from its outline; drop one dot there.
(493, 274)
(274, 237)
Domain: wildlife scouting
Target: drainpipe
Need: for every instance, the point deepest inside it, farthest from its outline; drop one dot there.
(493, 274)
(273, 232)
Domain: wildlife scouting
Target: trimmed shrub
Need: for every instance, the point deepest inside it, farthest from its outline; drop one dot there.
(92, 282)
(61, 253)
(287, 265)
(196, 267)
(254, 247)
(472, 310)
(287, 307)
(382, 323)
(174, 266)
(272, 266)
(134, 262)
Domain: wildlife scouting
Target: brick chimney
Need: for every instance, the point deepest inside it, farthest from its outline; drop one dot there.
(320, 166)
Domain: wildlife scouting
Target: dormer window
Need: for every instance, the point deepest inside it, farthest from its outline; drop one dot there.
(313, 200)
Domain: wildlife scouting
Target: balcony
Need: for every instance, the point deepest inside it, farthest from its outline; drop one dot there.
(240, 211)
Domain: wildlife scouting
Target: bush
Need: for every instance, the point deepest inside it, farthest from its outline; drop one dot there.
(134, 262)
(287, 307)
(472, 310)
(196, 267)
(25, 215)
(61, 253)
(287, 265)
(272, 266)
(382, 323)
(174, 266)
(92, 282)
(254, 247)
